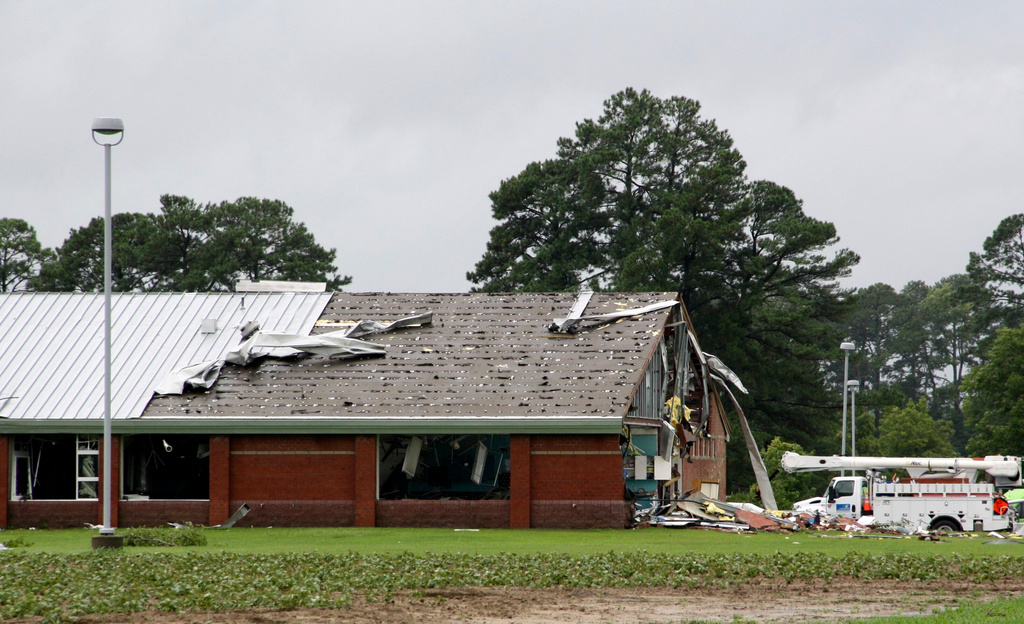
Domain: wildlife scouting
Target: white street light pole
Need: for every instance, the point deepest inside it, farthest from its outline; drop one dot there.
(854, 387)
(111, 132)
(846, 347)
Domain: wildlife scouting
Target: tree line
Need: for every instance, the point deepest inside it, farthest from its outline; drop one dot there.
(184, 247)
(652, 196)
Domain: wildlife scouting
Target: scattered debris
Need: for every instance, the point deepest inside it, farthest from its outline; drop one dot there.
(255, 345)
(699, 511)
(695, 510)
(570, 324)
(235, 517)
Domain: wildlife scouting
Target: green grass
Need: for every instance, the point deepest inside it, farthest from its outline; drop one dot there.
(491, 542)
(1007, 611)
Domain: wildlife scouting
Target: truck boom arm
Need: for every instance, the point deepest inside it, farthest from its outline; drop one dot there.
(995, 465)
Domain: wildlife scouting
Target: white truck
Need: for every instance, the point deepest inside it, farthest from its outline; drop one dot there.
(956, 494)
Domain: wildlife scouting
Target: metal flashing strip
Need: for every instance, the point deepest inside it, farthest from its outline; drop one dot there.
(293, 452)
(570, 324)
(575, 452)
(329, 425)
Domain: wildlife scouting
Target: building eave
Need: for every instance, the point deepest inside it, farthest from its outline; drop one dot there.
(329, 425)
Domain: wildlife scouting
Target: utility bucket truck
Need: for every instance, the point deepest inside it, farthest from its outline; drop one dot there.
(956, 494)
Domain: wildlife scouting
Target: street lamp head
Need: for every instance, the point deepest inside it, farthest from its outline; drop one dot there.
(853, 385)
(847, 346)
(111, 130)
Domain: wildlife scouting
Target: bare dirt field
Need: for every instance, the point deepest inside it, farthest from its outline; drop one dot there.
(768, 600)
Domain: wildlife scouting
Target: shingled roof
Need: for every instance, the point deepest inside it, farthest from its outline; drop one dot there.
(487, 361)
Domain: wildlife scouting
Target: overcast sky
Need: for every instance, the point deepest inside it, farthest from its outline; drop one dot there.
(386, 125)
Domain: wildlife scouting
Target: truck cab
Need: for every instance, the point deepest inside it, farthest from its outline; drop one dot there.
(846, 497)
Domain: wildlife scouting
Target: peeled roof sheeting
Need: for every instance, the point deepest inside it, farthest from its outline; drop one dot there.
(52, 344)
(484, 355)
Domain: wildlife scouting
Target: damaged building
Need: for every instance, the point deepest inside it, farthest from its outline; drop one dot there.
(345, 409)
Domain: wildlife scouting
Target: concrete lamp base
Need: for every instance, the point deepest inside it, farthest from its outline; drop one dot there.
(107, 541)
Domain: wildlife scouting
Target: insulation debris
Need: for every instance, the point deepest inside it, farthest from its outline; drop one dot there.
(699, 511)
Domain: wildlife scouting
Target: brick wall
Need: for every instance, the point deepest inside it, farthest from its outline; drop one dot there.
(519, 490)
(160, 512)
(220, 479)
(291, 468)
(485, 514)
(576, 482)
(290, 480)
(298, 480)
(365, 482)
(710, 465)
(576, 467)
(52, 514)
(580, 514)
(305, 513)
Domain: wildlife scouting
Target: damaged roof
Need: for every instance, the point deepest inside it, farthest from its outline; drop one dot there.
(51, 370)
(486, 362)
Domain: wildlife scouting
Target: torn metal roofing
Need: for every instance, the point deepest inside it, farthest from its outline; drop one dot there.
(51, 369)
(485, 357)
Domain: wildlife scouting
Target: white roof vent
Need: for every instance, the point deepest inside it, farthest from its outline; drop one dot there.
(279, 286)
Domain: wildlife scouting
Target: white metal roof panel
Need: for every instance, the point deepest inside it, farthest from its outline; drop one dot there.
(51, 344)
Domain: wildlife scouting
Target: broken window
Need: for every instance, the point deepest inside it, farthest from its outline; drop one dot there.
(54, 467)
(165, 467)
(710, 489)
(640, 463)
(464, 467)
(88, 461)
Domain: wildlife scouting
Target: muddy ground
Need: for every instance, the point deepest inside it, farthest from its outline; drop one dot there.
(769, 600)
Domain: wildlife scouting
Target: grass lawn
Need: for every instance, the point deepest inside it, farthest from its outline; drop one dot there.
(997, 612)
(491, 542)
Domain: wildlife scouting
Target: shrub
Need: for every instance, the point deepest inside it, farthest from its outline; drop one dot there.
(187, 535)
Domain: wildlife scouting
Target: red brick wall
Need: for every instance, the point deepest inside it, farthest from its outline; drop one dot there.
(160, 512)
(456, 514)
(52, 514)
(220, 479)
(519, 490)
(709, 468)
(576, 482)
(576, 467)
(291, 468)
(366, 480)
(580, 514)
(305, 513)
(5, 481)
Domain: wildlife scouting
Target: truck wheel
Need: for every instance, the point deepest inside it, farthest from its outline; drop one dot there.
(946, 524)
